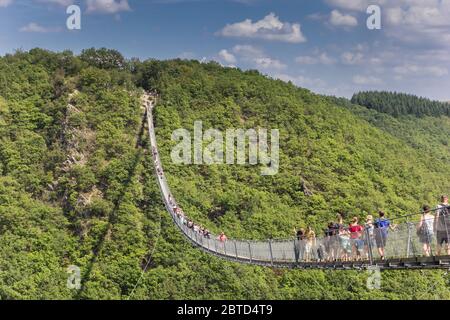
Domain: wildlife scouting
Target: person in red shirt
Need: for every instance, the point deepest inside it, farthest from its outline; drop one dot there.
(356, 233)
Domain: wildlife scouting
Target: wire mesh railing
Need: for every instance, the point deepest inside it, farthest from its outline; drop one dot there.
(424, 238)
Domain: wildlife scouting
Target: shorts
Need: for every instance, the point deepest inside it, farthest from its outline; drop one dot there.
(380, 239)
(441, 237)
(359, 244)
(371, 241)
(345, 244)
(308, 247)
(426, 238)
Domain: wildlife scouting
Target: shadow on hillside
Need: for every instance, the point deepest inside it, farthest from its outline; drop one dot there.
(114, 214)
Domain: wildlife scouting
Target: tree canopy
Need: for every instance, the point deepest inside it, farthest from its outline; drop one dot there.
(397, 104)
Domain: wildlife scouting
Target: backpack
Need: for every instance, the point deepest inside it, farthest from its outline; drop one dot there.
(382, 223)
(421, 230)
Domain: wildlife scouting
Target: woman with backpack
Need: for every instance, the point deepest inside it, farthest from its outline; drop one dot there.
(425, 230)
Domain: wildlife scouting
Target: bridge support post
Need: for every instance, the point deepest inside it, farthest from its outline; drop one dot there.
(271, 252)
(430, 240)
(408, 245)
(235, 249)
(296, 251)
(250, 251)
(369, 246)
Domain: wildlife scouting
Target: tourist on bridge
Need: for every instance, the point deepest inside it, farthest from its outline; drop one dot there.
(299, 248)
(310, 244)
(207, 234)
(382, 226)
(222, 237)
(425, 230)
(345, 243)
(442, 225)
(356, 234)
(338, 250)
(332, 241)
(369, 235)
(183, 220)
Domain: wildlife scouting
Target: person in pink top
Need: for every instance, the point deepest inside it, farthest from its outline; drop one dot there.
(222, 237)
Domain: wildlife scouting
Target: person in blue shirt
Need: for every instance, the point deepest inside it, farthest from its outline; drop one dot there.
(382, 226)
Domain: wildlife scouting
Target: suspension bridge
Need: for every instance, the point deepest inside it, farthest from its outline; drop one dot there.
(403, 248)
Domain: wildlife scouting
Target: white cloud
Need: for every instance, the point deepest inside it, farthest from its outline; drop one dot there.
(36, 28)
(63, 3)
(257, 57)
(5, 3)
(302, 81)
(227, 56)
(410, 21)
(269, 28)
(342, 20)
(252, 56)
(269, 63)
(306, 60)
(426, 21)
(186, 55)
(322, 58)
(355, 5)
(436, 55)
(107, 6)
(352, 58)
(412, 69)
(366, 80)
(247, 51)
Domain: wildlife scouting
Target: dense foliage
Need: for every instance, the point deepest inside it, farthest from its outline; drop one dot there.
(77, 188)
(397, 104)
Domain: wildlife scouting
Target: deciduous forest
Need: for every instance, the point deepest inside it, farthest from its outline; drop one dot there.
(77, 184)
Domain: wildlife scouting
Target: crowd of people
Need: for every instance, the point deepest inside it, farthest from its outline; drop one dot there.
(196, 228)
(356, 241)
(179, 213)
(157, 166)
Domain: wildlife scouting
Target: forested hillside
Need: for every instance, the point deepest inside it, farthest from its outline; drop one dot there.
(77, 188)
(398, 104)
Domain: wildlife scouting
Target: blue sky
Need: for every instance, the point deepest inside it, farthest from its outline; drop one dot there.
(323, 45)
